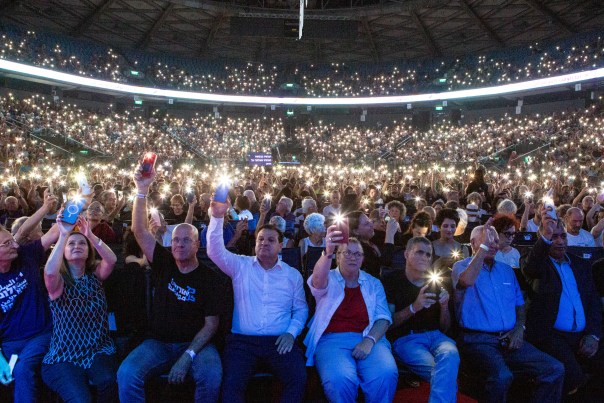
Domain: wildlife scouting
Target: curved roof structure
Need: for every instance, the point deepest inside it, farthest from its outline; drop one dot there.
(375, 31)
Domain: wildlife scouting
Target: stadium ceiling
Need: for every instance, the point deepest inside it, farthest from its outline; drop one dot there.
(385, 30)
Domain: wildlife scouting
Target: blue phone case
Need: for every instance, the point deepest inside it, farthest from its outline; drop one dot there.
(222, 193)
(72, 211)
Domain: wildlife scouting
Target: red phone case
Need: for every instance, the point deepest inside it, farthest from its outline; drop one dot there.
(148, 164)
(343, 226)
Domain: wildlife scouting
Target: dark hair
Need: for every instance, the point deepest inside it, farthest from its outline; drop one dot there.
(397, 204)
(90, 265)
(502, 221)
(446, 213)
(350, 203)
(242, 202)
(131, 247)
(270, 227)
(420, 219)
(353, 220)
(452, 205)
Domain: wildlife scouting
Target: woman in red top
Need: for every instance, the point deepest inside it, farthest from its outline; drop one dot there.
(345, 340)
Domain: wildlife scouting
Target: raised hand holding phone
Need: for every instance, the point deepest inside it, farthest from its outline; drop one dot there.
(341, 223)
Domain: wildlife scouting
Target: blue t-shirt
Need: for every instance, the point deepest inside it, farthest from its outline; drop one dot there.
(24, 310)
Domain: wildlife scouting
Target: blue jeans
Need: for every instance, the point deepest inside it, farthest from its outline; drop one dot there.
(27, 369)
(498, 367)
(341, 373)
(72, 382)
(153, 358)
(434, 357)
(243, 353)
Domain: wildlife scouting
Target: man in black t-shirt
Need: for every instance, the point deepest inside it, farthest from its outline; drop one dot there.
(187, 302)
(421, 315)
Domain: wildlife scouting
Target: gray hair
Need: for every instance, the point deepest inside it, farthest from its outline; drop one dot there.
(287, 201)
(314, 223)
(250, 195)
(308, 203)
(507, 206)
(278, 222)
(416, 241)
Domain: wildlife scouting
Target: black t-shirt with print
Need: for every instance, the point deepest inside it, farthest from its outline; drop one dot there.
(182, 301)
(402, 293)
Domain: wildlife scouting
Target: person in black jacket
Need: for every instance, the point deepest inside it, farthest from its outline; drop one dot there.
(564, 315)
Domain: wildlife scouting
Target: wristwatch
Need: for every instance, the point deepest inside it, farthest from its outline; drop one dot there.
(191, 354)
(332, 256)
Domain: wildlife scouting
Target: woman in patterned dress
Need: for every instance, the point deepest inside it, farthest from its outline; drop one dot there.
(81, 351)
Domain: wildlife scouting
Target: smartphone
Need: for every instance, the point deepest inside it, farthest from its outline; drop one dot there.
(434, 288)
(342, 225)
(190, 197)
(148, 164)
(267, 202)
(72, 210)
(119, 194)
(51, 189)
(233, 214)
(222, 193)
(83, 184)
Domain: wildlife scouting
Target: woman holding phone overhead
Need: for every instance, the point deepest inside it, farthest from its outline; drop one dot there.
(81, 350)
(345, 339)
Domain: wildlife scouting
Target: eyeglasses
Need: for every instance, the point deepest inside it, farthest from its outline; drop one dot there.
(8, 243)
(184, 241)
(356, 255)
(508, 234)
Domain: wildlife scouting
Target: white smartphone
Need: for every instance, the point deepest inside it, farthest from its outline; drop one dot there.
(12, 362)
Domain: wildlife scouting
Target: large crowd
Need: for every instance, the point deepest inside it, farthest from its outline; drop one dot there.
(584, 52)
(473, 249)
(425, 263)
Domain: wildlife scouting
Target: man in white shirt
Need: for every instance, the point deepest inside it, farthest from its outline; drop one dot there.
(576, 235)
(270, 312)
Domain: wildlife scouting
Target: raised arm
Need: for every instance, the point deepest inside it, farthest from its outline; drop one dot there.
(30, 224)
(320, 274)
(52, 275)
(108, 258)
(190, 210)
(140, 226)
(468, 277)
(225, 260)
(525, 215)
(533, 266)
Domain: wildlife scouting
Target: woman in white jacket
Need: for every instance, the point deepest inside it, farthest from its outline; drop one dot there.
(346, 338)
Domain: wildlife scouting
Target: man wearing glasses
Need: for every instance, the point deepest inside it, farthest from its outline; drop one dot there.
(187, 302)
(270, 312)
(25, 320)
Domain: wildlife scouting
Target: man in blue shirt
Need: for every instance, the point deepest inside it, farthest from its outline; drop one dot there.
(565, 314)
(490, 312)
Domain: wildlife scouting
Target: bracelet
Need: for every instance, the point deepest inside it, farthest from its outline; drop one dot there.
(411, 309)
(370, 337)
(593, 336)
(191, 354)
(484, 247)
(141, 196)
